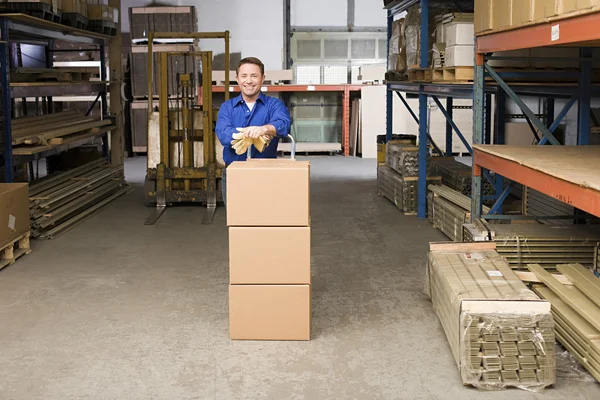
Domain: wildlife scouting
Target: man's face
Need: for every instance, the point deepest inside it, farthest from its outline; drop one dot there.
(250, 79)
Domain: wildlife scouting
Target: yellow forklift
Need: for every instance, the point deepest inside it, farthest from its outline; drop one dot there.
(187, 170)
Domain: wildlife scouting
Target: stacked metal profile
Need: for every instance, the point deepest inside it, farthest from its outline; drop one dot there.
(400, 190)
(547, 245)
(404, 158)
(457, 175)
(63, 200)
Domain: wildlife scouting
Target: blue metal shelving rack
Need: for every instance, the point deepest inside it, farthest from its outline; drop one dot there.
(481, 93)
(23, 28)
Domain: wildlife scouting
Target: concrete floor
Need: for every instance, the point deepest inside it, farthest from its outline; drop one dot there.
(117, 310)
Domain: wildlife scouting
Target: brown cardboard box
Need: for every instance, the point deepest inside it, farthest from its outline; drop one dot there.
(99, 12)
(544, 9)
(566, 6)
(522, 12)
(71, 6)
(269, 312)
(268, 193)
(583, 4)
(14, 212)
(483, 15)
(287, 262)
(501, 13)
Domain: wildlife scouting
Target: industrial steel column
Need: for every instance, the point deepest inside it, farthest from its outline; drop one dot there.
(449, 106)
(388, 93)
(478, 127)
(424, 61)
(6, 100)
(500, 130)
(585, 95)
(104, 104)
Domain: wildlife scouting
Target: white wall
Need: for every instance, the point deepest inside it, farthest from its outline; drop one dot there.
(369, 13)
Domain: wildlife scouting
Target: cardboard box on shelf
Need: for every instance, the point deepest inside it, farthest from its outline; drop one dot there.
(460, 56)
(502, 13)
(566, 6)
(99, 12)
(544, 9)
(459, 33)
(14, 215)
(483, 15)
(269, 255)
(269, 312)
(268, 193)
(522, 12)
(71, 6)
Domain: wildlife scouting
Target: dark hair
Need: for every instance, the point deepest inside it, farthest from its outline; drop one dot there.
(251, 60)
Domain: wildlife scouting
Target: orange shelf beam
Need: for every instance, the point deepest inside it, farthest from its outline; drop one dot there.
(578, 31)
(570, 193)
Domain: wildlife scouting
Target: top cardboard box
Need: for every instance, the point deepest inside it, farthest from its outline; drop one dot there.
(272, 193)
(14, 212)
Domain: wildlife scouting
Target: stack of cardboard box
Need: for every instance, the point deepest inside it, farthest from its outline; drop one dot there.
(268, 214)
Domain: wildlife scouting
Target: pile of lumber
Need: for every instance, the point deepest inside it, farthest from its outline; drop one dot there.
(401, 190)
(53, 129)
(458, 176)
(449, 210)
(546, 245)
(65, 199)
(500, 333)
(576, 311)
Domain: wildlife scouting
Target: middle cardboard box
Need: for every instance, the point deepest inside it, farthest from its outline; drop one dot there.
(269, 255)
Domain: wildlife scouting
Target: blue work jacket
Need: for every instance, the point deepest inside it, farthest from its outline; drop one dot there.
(234, 113)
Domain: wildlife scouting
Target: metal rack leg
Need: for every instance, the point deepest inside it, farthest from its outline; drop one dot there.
(6, 100)
(478, 127)
(389, 104)
(585, 95)
(449, 110)
(424, 61)
(104, 105)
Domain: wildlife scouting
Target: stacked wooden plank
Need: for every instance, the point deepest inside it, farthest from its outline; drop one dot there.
(457, 175)
(547, 245)
(53, 129)
(501, 334)
(449, 210)
(401, 190)
(576, 311)
(63, 200)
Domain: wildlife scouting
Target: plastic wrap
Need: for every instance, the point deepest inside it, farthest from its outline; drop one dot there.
(412, 33)
(567, 367)
(448, 218)
(397, 48)
(402, 191)
(501, 333)
(404, 159)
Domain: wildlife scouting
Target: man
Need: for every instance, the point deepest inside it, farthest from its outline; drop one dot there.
(255, 113)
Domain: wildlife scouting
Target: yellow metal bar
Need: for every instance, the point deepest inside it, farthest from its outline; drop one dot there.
(150, 76)
(163, 110)
(185, 122)
(227, 66)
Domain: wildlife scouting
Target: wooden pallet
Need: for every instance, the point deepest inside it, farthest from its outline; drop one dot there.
(14, 250)
(75, 20)
(102, 26)
(420, 74)
(453, 74)
(48, 75)
(39, 10)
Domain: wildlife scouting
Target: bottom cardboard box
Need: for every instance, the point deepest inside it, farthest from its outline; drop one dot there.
(269, 312)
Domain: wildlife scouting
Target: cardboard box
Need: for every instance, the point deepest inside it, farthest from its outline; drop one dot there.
(544, 9)
(487, 313)
(483, 15)
(501, 13)
(253, 261)
(460, 56)
(99, 12)
(268, 193)
(567, 6)
(459, 33)
(522, 12)
(71, 6)
(269, 312)
(14, 213)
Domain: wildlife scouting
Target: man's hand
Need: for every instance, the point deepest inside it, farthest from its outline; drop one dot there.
(254, 132)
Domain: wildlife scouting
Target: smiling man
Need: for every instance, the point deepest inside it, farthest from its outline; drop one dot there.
(257, 114)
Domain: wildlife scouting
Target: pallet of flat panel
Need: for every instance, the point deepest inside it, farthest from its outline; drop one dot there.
(453, 74)
(420, 74)
(39, 10)
(15, 249)
(75, 20)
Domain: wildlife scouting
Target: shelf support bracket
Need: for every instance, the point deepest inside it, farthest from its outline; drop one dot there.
(497, 207)
(534, 119)
(452, 124)
(449, 109)
(559, 118)
(411, 112)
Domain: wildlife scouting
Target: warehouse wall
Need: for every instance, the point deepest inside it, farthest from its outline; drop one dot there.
(367, 13)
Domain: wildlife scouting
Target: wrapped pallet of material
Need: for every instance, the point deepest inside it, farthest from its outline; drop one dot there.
(404, 159)
(448, 217)
(397, 52)
(501, 333)
(412, 36)
(400, 190)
